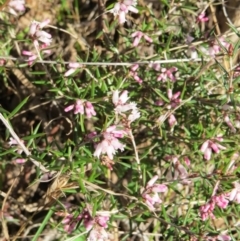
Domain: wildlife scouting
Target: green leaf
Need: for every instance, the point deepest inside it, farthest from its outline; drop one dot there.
(18, 108)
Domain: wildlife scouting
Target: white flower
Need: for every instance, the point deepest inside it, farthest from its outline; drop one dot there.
(13, 142)
(121, 9)
(234, 195)
(36, 32)
(110, 143)
(134, 115)
(120, 100)
(121, 105)
(72, 68)
(150, 193)
(16, 7)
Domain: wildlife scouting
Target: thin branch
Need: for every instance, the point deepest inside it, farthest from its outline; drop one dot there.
(21, 144)
(225, 14)
(215, 19)
(165, 61)
(136, 154)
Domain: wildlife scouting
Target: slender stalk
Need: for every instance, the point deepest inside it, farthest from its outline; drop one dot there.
(163, 61)
(44, 223)
(136, 154)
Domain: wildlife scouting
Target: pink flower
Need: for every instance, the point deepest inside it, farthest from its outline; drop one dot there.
(134, 74)
(206, 210)
(72, 68)
(136, 77)
(223, 237)
(122, 8)
(110, 143)
(155, 66)
(215, 47)
(38, 34)
(236, 72)
(172, 121)
(128, 111)
(31, 56)
(187, 160)
(174, 99)
(102, 221)
(89, 109)
(167, 74)
(13, 142)
(88, 221)
(221, 200)
(179, 172)
(20, 160)
(234, 195)
(2, 62)
(174, 102)
(229, 123)
(191, 49)
(192, 53)
(211, 145)
(201, 18)
(134, 67)
(96, 225)
(134, 115)
(214, 50)
(98, 233)
(120, 100)
(70, 223)
(91, 135)
(220, 237)
(150, 193)
(137, 37)
(79, 107)
(16, 7)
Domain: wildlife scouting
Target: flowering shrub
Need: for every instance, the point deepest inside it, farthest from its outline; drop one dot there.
(118, 124)
(122, 8)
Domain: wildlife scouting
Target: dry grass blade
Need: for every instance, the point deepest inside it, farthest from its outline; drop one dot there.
(56, 190)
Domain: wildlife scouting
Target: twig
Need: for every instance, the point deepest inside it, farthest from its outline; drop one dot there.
(34, 107)
(168, 61)
(21, 144)
(225, 14)
(162, 119)
(136, 154)
(4, 225)
(215, 19)
(96, 187)
(47, 72)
